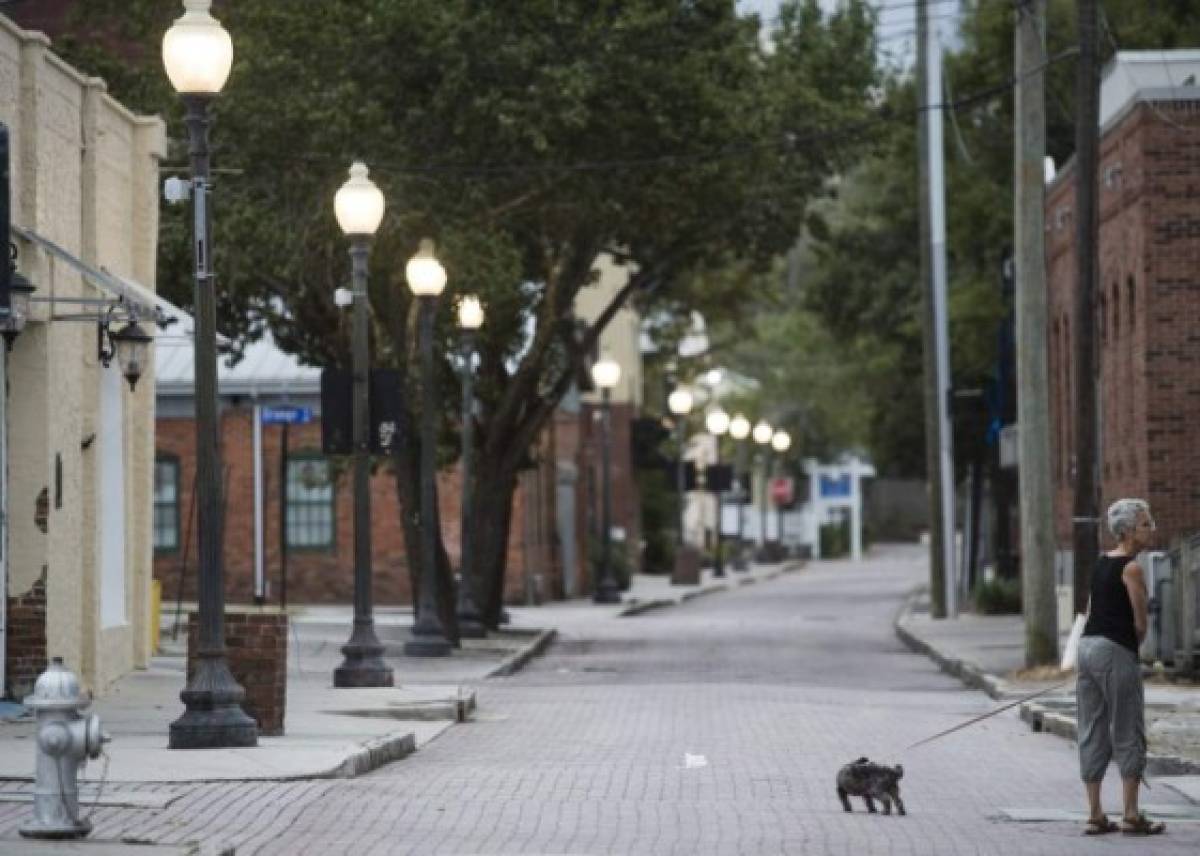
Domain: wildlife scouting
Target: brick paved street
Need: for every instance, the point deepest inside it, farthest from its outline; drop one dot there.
(595, 748)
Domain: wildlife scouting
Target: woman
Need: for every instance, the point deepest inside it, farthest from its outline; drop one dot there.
(1109, 689)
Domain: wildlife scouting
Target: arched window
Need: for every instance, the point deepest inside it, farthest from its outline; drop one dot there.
(166, 503)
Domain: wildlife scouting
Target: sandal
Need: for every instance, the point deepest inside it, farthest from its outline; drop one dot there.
(1099, 826)
(1142, 825)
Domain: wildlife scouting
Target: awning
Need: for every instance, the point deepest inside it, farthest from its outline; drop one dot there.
(142, 299)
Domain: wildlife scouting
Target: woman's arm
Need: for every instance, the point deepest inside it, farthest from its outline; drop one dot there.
(1135, 583)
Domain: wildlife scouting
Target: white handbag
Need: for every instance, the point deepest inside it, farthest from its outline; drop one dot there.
(1070, 659)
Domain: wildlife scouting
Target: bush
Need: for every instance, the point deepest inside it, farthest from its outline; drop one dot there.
(835, 540)
(998, 596)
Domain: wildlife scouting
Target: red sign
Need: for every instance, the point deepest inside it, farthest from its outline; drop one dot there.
(782, 489)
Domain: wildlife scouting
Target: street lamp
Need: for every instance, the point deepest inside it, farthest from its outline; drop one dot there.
(426, 279)
(739, 430)
(359, 207)
(679, 402)
(131, 346)
(762, 436)
(197, 54)
(470, 621)
(781, 441)
(717, 423)
(606, 372)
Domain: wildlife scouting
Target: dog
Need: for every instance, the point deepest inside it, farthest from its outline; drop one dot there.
(862, 778)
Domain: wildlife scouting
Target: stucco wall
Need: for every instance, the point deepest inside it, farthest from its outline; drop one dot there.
(84, 175)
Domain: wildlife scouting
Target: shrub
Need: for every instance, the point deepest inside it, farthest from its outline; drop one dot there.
(998, 596)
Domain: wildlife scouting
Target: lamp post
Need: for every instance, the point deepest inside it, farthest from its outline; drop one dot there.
(679, 403)
(426, 279)
(781, 441)
(359, 207)
(470, 621)
(606, 373)
(762, 436)
(739, 430)
(717, 423)
(197, 55)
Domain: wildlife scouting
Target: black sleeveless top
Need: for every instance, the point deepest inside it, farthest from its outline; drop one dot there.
(1111, 614)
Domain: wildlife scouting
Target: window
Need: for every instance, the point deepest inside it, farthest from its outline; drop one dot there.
(310, 517)
(166, 504)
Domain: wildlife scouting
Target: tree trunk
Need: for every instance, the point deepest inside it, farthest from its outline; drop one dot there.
(494, 493)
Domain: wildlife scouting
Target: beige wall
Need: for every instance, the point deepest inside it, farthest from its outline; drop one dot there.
(84, 175)
(621, 338)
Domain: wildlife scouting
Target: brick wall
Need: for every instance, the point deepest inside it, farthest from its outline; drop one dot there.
(256, 648)
(1147, 317)
(327, 575)
(25, 654)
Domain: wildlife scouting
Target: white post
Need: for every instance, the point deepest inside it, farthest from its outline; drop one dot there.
(260, 587)
(855, 514)
(937, 237)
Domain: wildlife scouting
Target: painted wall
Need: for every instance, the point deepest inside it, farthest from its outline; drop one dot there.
(84, 175)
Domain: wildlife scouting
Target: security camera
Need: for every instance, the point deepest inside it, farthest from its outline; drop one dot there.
(176, 189)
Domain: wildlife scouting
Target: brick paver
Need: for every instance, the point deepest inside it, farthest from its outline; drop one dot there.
(587, 751)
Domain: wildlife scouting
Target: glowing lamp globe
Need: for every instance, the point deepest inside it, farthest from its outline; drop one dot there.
(197, 51)
(358, 203)
(425, 274)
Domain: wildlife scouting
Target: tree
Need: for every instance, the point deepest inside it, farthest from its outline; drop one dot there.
(529, 137)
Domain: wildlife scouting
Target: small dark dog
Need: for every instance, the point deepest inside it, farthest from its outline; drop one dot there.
(872, 782)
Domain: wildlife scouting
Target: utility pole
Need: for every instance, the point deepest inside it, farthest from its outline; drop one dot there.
(1033, 398)
(939, 450)
(1085, 540)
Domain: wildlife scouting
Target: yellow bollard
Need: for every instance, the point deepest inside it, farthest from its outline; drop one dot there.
(155, 616)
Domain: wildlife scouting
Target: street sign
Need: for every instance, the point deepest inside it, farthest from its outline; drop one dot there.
(287, 415)
(835, 487)
(383, 411)
(782, 490)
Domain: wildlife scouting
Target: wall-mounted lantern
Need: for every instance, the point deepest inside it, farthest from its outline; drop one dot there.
(130, 345)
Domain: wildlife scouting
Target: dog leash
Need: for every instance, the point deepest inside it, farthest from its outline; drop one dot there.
(989, 714)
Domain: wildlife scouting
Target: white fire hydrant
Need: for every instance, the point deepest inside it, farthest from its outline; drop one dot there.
(66, 738)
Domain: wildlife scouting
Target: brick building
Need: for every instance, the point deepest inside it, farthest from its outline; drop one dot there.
(1147, 295)
(553, 516)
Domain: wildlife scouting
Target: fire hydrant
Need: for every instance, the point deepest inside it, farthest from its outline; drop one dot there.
(66, 738)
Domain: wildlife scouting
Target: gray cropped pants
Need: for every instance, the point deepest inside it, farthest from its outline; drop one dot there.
(1112, 719)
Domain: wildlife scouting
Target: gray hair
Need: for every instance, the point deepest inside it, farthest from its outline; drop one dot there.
(1123, 514)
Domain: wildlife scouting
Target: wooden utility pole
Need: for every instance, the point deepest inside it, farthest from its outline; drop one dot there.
(939, 458)
(1033, 397)
(1085, 541)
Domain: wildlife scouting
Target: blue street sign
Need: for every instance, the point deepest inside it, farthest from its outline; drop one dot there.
(287, 415)
(835, 487)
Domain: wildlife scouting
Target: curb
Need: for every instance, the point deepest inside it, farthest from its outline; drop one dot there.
(371, 756)
(637, 607)
(966, 671)
(1042, 719)
(515, 662)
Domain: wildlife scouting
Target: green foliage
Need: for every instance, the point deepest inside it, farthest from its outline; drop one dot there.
(528, 137)
(660, 520)
(835, 539)
(997, 596)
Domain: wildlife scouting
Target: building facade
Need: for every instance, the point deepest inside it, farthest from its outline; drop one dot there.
(1147, 300)
(289, 517)
(76, 444)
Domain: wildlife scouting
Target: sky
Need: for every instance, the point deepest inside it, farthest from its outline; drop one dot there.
(897, 22)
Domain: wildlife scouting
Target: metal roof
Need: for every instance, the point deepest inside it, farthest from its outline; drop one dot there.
(264, 369)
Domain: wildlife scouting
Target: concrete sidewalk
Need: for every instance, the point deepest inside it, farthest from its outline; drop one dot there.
(331, 732)
(987, 652)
